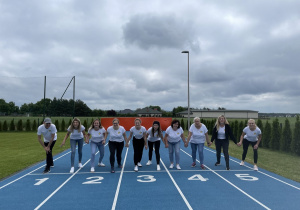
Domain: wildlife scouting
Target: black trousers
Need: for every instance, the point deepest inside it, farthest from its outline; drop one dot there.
(138, 147)
(156, 146)
(219, 144)
(113, 148)
(49, 157)
(245, 149)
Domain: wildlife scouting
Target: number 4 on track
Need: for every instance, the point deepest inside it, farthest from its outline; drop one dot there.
(198, 177)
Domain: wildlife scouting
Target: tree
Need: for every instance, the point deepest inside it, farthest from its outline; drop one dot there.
(56, 123)
(85, 125)
(0, 126)
(266, 136)
(286, 138)
(182, 124)
(275, 135)
(63, 125)
(295, 145)
(12, 126)
(28, 127)
(111, 113)
(20, 125)
(155, 107)
(5, 126)
(261, 127)
(34, 125)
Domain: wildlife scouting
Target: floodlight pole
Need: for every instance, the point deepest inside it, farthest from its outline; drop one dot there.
(188, 87)
(44, 98)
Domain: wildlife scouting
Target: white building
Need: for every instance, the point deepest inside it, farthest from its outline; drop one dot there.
(230, 114)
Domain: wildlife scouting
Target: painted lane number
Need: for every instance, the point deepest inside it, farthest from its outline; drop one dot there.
(246, 177)
(146, 178)
(40, 181)
(94, 180)
(198, 177)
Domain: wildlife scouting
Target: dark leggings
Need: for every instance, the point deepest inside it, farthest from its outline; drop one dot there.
(113, 147)
(219, 144)
(157, 146)
(138, 147)
(49, 160)
(245, 149)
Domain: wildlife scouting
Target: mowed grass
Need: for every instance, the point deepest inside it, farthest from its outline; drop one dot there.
(20, 150)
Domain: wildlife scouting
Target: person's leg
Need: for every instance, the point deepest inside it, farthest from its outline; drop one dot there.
(218, 144)
(225, 145)
(141, 144)
(194, 149)
(101, 150)
(112, 148)
(200, 151)
(177, 152)
(157, 147)
(49, 155)
(93, 153)
(171, 151)
(245, 149)
(135, 150)
(255, 153)
(73, 150)
(80, 145)
(150, 147)
(120, 146)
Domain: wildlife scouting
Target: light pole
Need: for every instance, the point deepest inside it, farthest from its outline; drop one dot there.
(188, 87)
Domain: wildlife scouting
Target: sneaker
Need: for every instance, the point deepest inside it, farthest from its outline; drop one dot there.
(202, 167)
(139, 164)
(112, 170)
(136, 168)
(172, 165)
(80, 165)
(217, 164)
(72, 170)
(149, 163)
(120, 166)
(178, 167)
(47, 170)
(255, 168)
(242, 163)
(52, 166)
(101, 164)
(227, 168)
(158, 167)
(92, 169)
(193, 165)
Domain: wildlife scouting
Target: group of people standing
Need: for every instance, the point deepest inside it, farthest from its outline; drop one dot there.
(151, 138)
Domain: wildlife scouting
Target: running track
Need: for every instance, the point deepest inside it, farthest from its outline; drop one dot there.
(189, 188)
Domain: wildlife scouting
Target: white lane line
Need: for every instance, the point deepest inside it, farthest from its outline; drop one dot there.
(177, 187)
(119, 183)
(232, 184)
(261, 172)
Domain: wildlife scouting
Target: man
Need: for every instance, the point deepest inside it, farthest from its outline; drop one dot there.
(48, 130)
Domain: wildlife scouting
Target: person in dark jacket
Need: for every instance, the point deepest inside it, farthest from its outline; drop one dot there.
(221, 134)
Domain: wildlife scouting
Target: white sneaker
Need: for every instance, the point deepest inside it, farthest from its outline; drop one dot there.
(101, 164)
(171, 166)
(149, 163)
(72, 170)
(158, 167)
(255, 168)
(242, 163)
(80, 165)
(139, 164)
(178, 167)
(92, 169)
(136, 169)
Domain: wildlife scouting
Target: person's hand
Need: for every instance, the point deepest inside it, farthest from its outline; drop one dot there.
(103, 142)
(166, 145)
(239, 144)
(255, 146)
(209, 143)
(146, 147)
(87, 141)
(126, 145)
(63, 143)
(186, 144)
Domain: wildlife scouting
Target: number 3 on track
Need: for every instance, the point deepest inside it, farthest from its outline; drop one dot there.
(146, 178)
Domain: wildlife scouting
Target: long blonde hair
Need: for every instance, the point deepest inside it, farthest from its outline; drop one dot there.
(218, 123)
(92, 125)
(72, 128)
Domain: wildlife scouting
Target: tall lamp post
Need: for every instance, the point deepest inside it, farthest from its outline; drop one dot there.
(188, 87)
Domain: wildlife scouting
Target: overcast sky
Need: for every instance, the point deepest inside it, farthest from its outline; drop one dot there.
(127, 54)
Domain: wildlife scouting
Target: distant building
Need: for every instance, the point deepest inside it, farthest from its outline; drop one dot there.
(238, 114)
(126, 111)
(148, 112)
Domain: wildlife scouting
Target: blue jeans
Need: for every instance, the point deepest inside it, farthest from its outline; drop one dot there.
(174, 147)
(94, 146)
(73, 143)
(200, 148)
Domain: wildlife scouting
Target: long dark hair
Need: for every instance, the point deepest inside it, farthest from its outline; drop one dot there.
(158, 130)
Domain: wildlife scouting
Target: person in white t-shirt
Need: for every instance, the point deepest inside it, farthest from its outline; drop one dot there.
(77, 132)
(48, 130)
(198, 134)
(250, 135)
(117, 136)
(97, 135)
(139, 142)
(173, 135)
(154, 136)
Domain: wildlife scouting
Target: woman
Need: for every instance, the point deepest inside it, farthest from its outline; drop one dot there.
(117, 135)
(139, 142)
(98, 136)
(198, 133)
(77, 132)
(250, 135)
(221, 134)
(172, 141)
(154, 135)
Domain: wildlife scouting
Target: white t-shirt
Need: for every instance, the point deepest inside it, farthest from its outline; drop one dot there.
(116, 135)
(47, 132)
(251, 135)
(198, 135)
(153, 138)
(138, 133)
(174, 136)
(76, 134)
(221, 132)
(97, 136)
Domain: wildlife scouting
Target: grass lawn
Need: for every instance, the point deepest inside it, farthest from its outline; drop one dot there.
(21, 149)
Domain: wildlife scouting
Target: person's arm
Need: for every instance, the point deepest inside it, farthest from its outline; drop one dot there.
(145, 140)
(129, 138)
(105, 136)
(231, 134)
(214, 134)
(259, 139)
(87, 138)
(183, 139)
(189, 137)
(241, 139)
(125, 138)
(165, 140)
(42, 143)
(66, 137)
(207, 139)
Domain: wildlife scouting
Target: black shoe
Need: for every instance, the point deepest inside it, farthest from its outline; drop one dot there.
(227, 168)
(217, 164)
(47, 170)
(52, 166)
(120, 166)
(112, 170)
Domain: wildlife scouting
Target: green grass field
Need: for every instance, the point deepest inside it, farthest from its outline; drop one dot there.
(20, 150)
